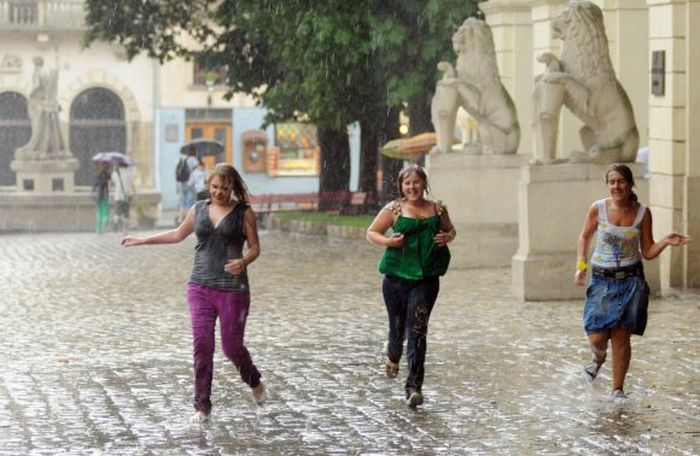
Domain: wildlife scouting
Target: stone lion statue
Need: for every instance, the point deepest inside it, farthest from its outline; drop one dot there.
(584, 81)
(475, 86)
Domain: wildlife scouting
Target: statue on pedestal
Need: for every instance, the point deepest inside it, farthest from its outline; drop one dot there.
(475, 85)
(46, 142)
(584, 81)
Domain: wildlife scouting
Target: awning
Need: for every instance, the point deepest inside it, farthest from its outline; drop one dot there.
(254, 136)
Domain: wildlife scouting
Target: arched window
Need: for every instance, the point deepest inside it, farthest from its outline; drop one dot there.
(15, 131)
(96, 125)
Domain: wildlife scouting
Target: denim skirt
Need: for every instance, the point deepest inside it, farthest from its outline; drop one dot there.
(616, 303)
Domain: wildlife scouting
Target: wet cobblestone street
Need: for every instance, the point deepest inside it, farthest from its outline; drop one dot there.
(96, 359)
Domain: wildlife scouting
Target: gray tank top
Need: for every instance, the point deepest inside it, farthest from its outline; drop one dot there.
(216, 245)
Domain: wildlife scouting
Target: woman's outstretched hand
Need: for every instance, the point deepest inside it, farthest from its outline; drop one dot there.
(676, 239)
(129, 241)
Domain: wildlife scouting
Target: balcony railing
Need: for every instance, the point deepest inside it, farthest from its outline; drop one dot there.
(42, 15)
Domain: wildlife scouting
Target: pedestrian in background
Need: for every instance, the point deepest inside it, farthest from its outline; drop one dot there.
(100, 193)
(617, 296)
(124, 191)
(198, 182)
(218, 286)
(416, 256)
(185, 192)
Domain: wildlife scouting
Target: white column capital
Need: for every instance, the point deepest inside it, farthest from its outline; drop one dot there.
(504, 6)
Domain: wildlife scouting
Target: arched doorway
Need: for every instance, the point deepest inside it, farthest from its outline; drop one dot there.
(96, 125)
(15, 131)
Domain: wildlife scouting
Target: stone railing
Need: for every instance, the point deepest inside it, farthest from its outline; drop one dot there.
(42, 15)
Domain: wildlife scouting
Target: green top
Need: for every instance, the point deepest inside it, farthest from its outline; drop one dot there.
(419, 256)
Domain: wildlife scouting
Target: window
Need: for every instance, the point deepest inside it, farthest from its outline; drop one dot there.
(97, 124)
(15, 131)
(23, 12)
(197, 132)
(298, 149)
(205, 75)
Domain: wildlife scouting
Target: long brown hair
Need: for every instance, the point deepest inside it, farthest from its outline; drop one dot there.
(228, 174)
(626, 174)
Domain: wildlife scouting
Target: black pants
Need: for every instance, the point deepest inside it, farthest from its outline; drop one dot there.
(408, 305)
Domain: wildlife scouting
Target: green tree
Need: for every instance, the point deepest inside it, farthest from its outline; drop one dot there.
(332, 63)
(409, 39)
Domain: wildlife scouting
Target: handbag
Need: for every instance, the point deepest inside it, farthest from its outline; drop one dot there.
(442, 260)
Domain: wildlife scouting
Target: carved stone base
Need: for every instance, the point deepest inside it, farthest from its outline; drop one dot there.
(553, 201)
(45, 176)
(473, 149)
(480, 192)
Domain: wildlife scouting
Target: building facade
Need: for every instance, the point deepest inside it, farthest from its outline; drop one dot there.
(655, 50)
(141, 108)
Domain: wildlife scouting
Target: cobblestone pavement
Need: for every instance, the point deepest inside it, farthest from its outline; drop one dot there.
(96, 359)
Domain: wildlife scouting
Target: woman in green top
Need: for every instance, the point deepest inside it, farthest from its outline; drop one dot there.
(415, 257)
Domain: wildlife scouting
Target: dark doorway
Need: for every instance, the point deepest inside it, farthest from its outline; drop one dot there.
(15, 131)
(96, 125)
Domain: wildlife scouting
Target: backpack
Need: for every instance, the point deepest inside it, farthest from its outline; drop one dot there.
(182, 171)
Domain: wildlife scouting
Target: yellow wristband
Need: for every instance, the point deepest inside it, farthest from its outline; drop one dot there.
(581, 265)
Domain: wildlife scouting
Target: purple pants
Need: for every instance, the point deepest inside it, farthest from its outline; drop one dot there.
(206, 304)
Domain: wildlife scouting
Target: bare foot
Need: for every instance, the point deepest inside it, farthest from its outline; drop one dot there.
(258, 394)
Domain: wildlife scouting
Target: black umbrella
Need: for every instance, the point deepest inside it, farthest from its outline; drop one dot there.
(205, 148)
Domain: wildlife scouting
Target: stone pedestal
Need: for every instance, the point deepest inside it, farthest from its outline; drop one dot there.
(60, 212)
(481, 193)
(553, 201)
(46, 175)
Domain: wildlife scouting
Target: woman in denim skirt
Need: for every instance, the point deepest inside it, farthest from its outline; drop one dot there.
(416, 256)
(617, 295)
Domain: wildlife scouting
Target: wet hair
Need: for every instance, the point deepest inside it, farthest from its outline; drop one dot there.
(228, 174)
(626, 174)
(413, 168)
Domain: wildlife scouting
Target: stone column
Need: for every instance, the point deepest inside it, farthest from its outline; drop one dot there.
(674, 158)
(542, 12)
(511, 24)
(691, 213)
(627, 28)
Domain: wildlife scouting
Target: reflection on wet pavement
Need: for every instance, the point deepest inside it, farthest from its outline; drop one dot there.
(96, 360)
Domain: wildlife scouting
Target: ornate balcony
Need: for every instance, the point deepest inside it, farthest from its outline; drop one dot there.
(41, 15)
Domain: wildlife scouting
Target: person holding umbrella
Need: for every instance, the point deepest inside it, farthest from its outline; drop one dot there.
(187, 163)
(121, 179)
(218, 285)
(124, 191)
(100, 193)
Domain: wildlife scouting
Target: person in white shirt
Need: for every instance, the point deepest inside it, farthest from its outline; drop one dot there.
(198, 181)
(124, 190)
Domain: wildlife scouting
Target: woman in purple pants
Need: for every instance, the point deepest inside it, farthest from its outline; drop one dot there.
(218, 286)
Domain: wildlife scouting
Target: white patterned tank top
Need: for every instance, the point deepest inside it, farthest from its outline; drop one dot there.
(616, 246)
